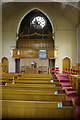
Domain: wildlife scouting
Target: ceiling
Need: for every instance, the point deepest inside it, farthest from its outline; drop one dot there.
(69, 10)
(70, 2)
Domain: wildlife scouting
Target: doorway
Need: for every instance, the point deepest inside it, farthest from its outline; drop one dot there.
(66, 63)
(17, 65)
(5, 65)
(51, 62)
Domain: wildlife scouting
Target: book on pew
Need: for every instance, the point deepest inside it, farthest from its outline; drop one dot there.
(65, 104)
(57, 85)
(59, 92)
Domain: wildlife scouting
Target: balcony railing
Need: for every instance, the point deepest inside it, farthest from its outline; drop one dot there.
(32, 53)
(33, 48)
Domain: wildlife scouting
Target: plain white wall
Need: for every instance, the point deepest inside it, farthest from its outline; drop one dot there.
(78, 44)
(65, 33)
(0, 33)
(65, 40)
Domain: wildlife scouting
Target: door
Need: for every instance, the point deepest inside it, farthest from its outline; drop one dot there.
(66, 62)
(5, 65)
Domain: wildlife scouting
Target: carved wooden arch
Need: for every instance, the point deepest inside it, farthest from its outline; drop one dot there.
(5, 64)
(66, 63)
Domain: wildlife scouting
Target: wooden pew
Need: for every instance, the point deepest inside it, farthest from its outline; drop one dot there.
(9, 74)
(37, 109)
(19, 90)
(3, 83)
(31, 81)
(4, 80)
(36, 75)
(35, 86)
(33, 95)
(78, 85)
(35, 101)
(27, 76)
(73, 80)
(5, 77)
(32, 88)
(38, 87)
(34, 78)
(37, 81)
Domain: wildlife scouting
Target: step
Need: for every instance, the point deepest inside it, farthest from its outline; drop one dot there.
(64, 80)
(68, 88)
(65, 84)
(71, 92)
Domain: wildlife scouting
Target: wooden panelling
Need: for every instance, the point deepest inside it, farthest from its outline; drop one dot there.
(24, 53)
(31, 70)
(29, 53)
(50, 53)
(78, 67)
(36, 44)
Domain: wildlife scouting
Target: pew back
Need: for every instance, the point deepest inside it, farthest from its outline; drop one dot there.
(36, 109)
(33, 95)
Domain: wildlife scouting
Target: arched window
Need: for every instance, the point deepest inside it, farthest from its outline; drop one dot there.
(35, 31)
(35, 22)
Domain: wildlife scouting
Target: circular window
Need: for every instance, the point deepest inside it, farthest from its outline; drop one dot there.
(38, 22)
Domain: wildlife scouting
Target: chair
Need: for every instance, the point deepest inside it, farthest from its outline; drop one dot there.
(57, 69)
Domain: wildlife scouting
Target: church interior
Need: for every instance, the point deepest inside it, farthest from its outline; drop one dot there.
(40, 60)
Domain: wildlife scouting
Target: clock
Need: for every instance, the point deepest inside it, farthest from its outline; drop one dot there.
(38, 22)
